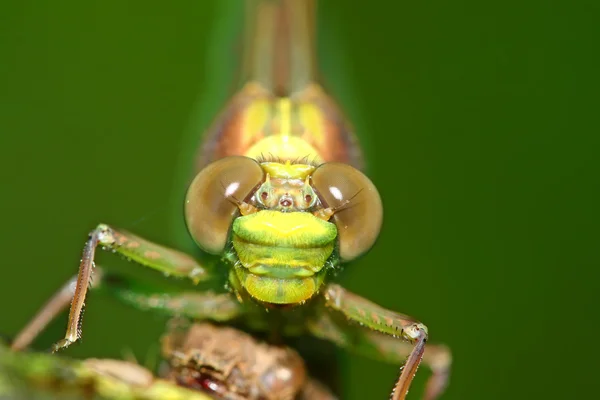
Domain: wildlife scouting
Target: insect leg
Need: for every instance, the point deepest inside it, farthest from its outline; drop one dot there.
(196, 305)
(387, 322)
(54, 306)
(437, 357)
(168, 261)
(386, 348)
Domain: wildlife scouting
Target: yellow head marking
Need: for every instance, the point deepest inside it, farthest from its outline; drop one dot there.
(288, 170)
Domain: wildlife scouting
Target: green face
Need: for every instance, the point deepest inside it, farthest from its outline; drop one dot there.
(282, 254)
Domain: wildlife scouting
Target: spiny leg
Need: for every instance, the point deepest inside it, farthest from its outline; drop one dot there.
(387, 322)
(54, 306)
(170, 262)
(195, 305)
(384, 347)
(437, 357)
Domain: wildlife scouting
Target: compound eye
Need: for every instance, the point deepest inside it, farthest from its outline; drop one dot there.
(360, 212)
(210, 203)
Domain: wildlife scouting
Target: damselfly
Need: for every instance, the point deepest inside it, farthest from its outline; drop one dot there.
(280, 200)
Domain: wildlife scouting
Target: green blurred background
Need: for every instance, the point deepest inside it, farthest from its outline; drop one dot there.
(481, 123)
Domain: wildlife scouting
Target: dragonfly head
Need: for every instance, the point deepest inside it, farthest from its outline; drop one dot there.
(286, 224)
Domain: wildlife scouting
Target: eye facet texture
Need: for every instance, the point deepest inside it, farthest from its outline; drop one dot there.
(359, 221)
(210, 203)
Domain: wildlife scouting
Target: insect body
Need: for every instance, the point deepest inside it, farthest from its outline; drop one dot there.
(279, 195)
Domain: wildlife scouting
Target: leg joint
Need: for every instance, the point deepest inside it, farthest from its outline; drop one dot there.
(416, 332)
